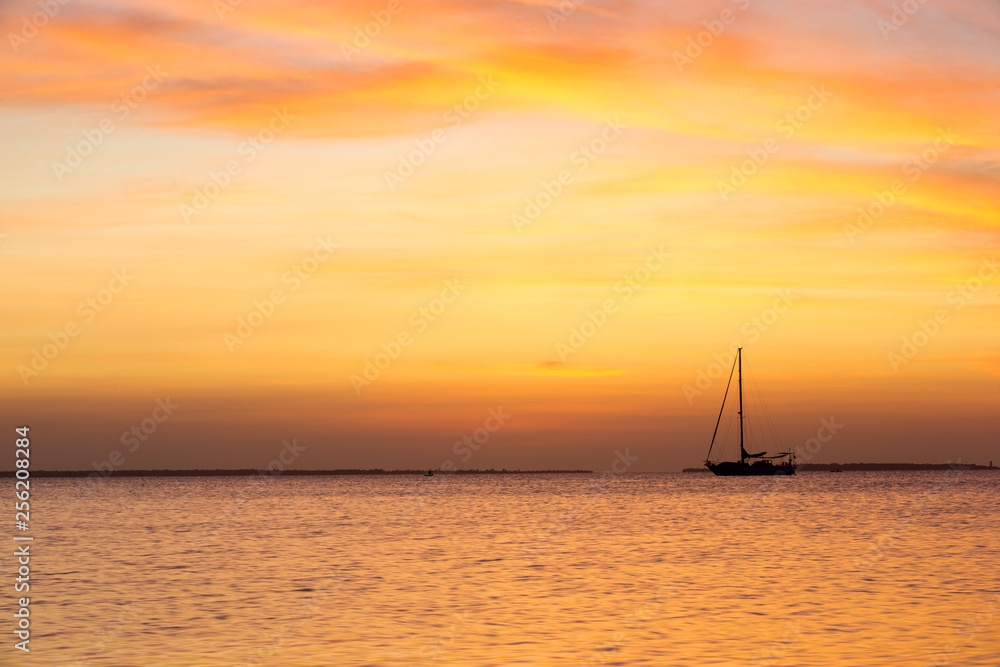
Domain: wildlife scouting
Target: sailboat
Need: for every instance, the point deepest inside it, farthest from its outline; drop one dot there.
(749, 464)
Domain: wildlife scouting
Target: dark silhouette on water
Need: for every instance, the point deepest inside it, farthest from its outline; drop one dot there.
(250, 472)
(749, 464)
(429, 473)
(876, 467)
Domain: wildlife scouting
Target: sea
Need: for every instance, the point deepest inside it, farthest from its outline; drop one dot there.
(819, 568)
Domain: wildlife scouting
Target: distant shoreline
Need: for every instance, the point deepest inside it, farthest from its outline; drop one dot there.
(826, 467)
(247, 472)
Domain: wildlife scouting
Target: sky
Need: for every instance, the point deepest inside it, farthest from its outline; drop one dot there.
(496, 234)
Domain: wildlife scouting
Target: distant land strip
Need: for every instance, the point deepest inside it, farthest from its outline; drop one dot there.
(820, 467)
(246, 472)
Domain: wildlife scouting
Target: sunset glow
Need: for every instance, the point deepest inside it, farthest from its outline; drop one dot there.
(365, 225)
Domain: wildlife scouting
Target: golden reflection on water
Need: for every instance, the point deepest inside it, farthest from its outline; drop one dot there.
(817, 569)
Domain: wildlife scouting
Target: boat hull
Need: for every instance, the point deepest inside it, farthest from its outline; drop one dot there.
(743, 469)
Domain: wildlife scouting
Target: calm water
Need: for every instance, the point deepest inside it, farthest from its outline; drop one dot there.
(668, 569)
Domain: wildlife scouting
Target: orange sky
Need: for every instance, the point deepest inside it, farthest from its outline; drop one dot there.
(241, 206)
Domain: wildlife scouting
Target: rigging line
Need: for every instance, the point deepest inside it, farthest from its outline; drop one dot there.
(755, 422)
(761, 421)
(761, 413)
(721, 409)
(767, 417)
(758, 439)
(749, 409)
(729, 426)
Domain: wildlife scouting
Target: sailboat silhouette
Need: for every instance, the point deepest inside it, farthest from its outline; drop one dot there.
(749, 464)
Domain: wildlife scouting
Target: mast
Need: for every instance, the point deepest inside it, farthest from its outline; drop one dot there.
(729, 383)
(739, 362)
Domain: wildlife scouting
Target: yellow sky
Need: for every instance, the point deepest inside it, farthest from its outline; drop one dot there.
(570, 211)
